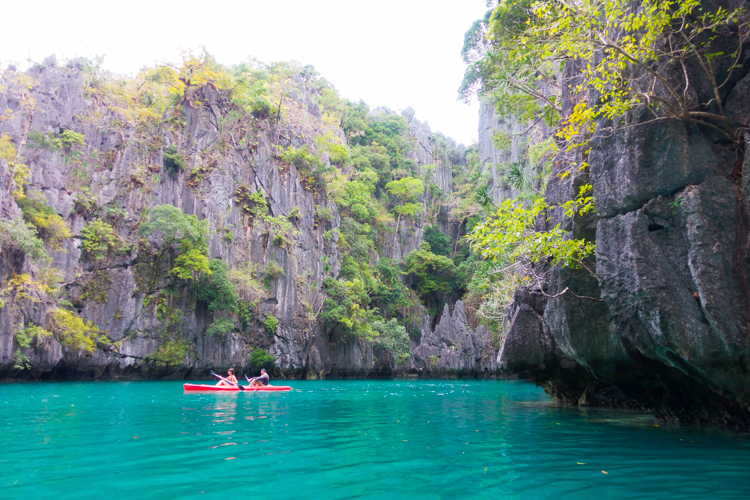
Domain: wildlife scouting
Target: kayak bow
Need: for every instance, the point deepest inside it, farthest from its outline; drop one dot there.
(202, 387)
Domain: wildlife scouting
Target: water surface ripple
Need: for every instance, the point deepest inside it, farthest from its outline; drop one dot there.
(350, 439)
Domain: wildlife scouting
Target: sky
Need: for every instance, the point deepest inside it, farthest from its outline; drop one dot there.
(394, 53)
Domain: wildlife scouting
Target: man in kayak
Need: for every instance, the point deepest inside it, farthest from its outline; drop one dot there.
(230, 377)
(262, 380)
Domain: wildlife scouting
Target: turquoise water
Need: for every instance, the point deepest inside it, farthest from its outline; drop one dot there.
(349, 439)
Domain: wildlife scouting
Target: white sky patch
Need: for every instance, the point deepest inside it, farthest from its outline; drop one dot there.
(394, 53)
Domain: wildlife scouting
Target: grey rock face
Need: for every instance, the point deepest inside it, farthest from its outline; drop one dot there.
(125, 172)
(408, 113)
(495, 160)
(453, 348)
(663, 324)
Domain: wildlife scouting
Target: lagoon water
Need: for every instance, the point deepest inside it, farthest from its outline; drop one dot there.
(349, 439)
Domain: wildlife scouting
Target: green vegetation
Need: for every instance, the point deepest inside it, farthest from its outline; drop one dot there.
(190, 265)
(20, 236)
(510, 234)
(429, 272)
(174, 161)
(217, 289)
(184, 236)
(251, 203)
(99, 241)
(271, 323)
(393, 336)
(175, 228)
(19, 172)
(272, 272)
(514, 52)
(73, 332)
(380, 196)
(439, 243)
(171, 353)
(220, 327)
(67, 139)
(259, 358)
(49, 225)
(518, 57)
(25, 337)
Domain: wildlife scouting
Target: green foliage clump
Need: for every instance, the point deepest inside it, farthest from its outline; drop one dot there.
(511, 233)
(73, 332)
(429, 272)
(259, 358)
(279, 240)
(182, 234)
(220, 326)
(310, 167)
(171, 353)
(244, 279)
(305, 160)
(379, 144)
(20, 236)
(521, 46)
(190, 265)
(64, 141)
(99, 241)
(31, 333)
(393, 336)
(19, 172)
(21, 361)
(253, 204)
(271, 323)
(405, 193)
(252, 90)
(85, 202)
(279, 223)
(174, 226)
(67, 139)
(174, 161)
(217, 289)
(337, 151)
(50, 226)
(388, 293)
(440, 244)
(347, 307)
(322, 214)
(433, 361)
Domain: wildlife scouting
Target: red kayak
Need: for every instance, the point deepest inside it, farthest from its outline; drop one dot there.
(200, 387)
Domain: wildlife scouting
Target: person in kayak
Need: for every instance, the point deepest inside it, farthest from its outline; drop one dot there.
(262, 380)
(230, 377)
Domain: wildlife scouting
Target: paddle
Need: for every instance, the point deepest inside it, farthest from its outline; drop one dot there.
(227, 381)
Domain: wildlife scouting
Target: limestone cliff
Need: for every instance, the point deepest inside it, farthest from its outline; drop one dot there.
(119, 172)
(662, 321)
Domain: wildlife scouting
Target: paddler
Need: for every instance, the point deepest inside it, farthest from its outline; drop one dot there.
(261, 380)
(230, 377)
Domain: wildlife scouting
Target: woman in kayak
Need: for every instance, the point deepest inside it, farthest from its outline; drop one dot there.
(230, 377)
(262, 380)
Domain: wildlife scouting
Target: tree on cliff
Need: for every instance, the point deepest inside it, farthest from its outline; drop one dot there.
(404, 193)
(621, 51)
